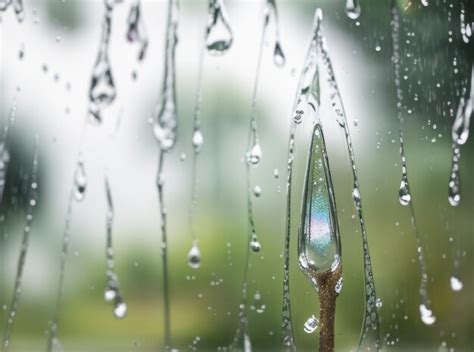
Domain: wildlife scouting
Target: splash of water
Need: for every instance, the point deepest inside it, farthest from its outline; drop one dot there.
(136, 31)
(112, 291)
(404, 193)
(102, 88)
(219, 35)
(32, 202)
(164, 129)
(460, 134)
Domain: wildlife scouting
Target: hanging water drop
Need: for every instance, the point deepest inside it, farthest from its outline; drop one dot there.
(80, 181)
(120, 310)
(255, 244)
(257, 191)
(102, 88)
(427, 316)
(353, 9)
(198, 140)
(165, 115)
(404, 195)
(255, 155)
(456, 284)
(194, 256)
(219, 35)
(311, 324)
(278, 55)
(136, 29)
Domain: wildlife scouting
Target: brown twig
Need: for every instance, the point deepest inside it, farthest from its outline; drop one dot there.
(327, 311)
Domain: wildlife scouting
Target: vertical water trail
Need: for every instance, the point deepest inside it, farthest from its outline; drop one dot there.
(102, 88)
(136, 31)
(370, 335)
(253, 157)
(219, 35)
(404, 193)
(460, 135)
(307, 95)
(77, 193)
(164, 128)
(101, 93)
(32, 201)
(112, 291)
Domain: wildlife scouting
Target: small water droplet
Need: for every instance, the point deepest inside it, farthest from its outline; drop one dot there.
(198, 140)
(255, 155)
(80, 181)
(456, 284)
(194, 256)
(254, 244)
(278, 55)
(378, 302)
(311, 324)
(257, 191)
(339, 284)
(120, 310)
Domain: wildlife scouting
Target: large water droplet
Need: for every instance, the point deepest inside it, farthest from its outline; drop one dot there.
(353, 9)
(194, 256)
(426, 314)
(404, 195)
(219, 35)
(254, 244)
(311, 324)
(80, 181)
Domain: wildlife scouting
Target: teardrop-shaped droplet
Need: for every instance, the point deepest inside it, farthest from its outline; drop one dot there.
(102, 88)
(257, 191)
(219, 35)
(165, 116)
(194, 256)
(311, 324)
(460, 129)
(80, 181)
(254, 244)
(255, 155)
(426, 315)
(404, 195)
(19, 10)
(278, 55)
(319, 247)
(456, 284)
(120, 310)
(136, 29)
(353, 9)
(198, 140)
